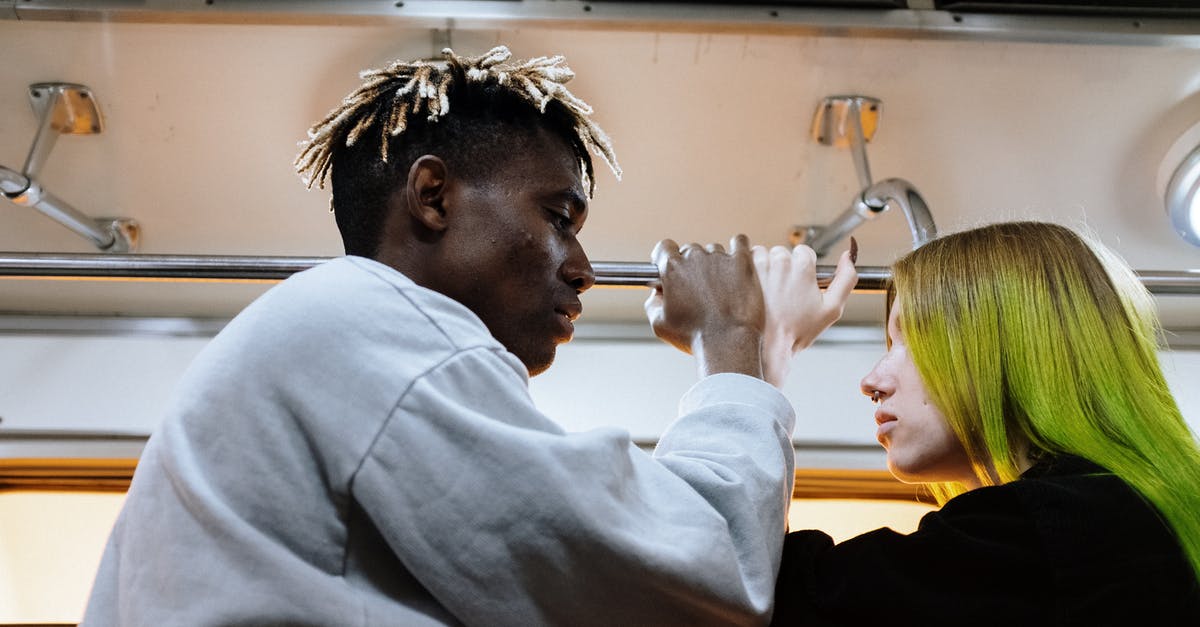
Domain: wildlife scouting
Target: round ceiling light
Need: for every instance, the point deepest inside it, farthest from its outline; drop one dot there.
(1183, 198)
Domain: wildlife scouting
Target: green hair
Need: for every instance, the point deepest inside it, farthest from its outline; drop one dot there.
(1053, 343)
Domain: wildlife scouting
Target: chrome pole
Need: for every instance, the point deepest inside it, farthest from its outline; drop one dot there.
(252, 268)
(256, 268)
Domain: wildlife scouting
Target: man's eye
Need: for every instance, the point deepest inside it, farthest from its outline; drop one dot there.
(562, 222)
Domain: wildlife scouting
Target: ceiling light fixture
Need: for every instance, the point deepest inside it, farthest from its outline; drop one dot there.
(1183, 198)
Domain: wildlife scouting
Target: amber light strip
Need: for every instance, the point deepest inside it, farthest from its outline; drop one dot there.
(70, 475)
(114, 475)
(828, 483)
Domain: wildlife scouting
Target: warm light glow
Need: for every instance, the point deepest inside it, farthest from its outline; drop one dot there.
(51, 543)
(50, 547)
(845, 518)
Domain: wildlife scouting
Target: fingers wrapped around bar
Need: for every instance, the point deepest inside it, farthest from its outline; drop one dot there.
(708, 303)
(746, 310)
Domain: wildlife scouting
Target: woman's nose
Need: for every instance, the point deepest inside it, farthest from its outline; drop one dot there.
(873, 383)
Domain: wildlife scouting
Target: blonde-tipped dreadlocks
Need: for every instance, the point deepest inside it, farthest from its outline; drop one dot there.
(388, 96)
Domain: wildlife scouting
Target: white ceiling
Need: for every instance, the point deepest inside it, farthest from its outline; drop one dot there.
(712, 130)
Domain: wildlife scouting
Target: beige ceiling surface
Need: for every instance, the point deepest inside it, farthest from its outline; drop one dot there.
(711, 129)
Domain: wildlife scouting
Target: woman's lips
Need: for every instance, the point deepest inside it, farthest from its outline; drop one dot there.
(886, 423)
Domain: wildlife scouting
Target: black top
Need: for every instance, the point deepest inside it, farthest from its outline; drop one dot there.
(1066, 544)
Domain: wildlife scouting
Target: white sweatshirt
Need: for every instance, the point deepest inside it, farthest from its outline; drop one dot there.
(354, 449)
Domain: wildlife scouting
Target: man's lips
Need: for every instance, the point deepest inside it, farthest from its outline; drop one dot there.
(570, 310)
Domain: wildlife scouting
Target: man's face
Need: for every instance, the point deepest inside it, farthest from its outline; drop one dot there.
(517, 262)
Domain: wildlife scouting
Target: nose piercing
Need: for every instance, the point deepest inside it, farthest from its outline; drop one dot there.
(875, 396)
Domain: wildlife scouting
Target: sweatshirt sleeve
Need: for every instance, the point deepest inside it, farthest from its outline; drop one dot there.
(508, 520)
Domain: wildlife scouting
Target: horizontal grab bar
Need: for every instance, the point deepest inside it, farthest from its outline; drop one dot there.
(257, 268)
(254, 268)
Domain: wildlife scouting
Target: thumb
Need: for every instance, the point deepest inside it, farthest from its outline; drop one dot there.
(845, 277)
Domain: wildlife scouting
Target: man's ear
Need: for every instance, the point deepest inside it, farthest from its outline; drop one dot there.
(425, 190)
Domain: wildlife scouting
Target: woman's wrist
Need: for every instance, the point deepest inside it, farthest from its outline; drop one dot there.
(777, 353)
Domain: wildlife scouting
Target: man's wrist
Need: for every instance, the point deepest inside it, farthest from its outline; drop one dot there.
(733, 349)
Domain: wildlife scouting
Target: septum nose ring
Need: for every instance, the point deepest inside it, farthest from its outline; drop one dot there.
(875, 394)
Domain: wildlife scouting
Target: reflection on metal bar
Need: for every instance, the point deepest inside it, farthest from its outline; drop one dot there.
(247, 268)
(71, 435)
(233, 268)
(165, 267)
(1171, 282)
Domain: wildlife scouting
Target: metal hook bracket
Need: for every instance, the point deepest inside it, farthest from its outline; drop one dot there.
(65, 109)
(849, 121)
(852, 121)
(61, 109)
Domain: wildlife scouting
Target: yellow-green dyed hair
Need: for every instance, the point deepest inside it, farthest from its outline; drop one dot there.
(1033, 341)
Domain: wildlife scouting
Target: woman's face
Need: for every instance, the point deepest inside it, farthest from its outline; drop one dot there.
(921, 447)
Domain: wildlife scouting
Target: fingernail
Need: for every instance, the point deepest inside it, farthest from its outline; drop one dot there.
(853, 250)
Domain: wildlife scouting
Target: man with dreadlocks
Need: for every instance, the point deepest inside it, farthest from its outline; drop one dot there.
(359, 447)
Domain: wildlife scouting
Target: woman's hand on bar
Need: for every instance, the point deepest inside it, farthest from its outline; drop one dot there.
(797, 311)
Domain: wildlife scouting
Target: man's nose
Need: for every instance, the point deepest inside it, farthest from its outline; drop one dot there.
(577, 271)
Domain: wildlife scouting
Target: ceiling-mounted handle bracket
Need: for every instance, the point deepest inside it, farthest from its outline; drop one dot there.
(65, 109)
(843, 122)
(851, 121)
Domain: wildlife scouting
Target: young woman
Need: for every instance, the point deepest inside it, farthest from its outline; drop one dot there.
(1022, 385)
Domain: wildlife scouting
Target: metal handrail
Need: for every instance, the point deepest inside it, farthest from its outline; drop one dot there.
(264, 269)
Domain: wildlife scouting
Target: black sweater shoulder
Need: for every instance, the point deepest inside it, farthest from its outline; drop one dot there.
(1067, 544)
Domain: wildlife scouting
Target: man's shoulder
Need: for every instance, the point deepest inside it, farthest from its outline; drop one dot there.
(347, 314)
(350, 293)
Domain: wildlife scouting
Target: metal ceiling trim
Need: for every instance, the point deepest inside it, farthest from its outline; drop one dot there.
(644, 16)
